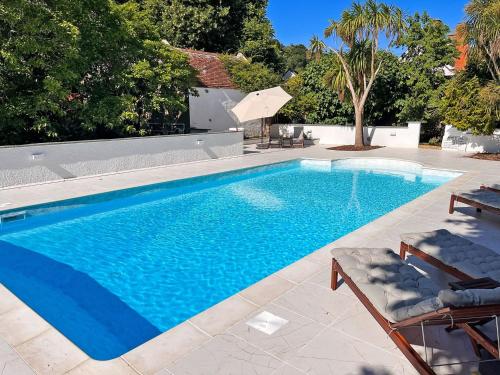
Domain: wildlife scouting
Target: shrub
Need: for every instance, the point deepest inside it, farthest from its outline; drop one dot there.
(467, 105)
(248, 76)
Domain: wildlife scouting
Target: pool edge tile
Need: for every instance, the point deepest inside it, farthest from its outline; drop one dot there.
(93, 367)
(300, 270)
(8, 300)
(51, 353)
(21, 324)
(157, 353)
(266, 290)
(223, 315)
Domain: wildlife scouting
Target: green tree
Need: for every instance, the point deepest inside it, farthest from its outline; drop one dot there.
(471, 100)
(295, 56)
(303, 103)
(250, 76)
(218, 26)
(316, 48)
(382, 105)
(481, 32)
(76, 69)
(38, 50)
(428, 50)
(357, 68)
(468, 105)
(313, 100)
(210, 25)
(156, 85)
(258, 41)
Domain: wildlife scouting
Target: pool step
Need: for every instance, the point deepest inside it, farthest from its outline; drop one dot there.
(12, 216)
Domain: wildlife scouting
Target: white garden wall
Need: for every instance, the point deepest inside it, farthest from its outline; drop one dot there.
(54, 161)
(456, 140)
(390, 136)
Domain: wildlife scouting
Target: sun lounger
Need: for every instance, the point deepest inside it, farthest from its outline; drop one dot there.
(399, 296)
(485, 198)
(453, 254)
(275, 142)
(299, 141)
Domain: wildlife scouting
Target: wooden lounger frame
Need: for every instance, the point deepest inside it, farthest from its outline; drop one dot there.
(479, 206)
(485, 187)
(406, 248)
(465, 318)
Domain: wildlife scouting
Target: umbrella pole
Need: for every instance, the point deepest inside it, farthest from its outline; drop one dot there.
(262, 130)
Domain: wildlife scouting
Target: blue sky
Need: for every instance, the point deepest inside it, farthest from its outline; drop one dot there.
(296, 21)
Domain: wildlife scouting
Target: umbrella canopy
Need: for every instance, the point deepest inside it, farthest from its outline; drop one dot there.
(261, 104)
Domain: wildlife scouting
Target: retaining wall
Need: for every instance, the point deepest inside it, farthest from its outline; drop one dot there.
(44, 162)
(390, 136)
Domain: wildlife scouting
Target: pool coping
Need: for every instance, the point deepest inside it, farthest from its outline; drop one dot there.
(50, 345)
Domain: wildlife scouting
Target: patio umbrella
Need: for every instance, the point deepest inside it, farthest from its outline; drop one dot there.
(260, 105)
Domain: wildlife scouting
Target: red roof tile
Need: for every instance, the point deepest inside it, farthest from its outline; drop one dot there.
(462, 48)
(211, 70)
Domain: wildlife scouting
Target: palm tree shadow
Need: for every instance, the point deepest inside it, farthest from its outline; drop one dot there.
(88, 314)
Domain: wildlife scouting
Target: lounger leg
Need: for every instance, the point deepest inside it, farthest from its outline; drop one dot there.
(452, 203)
(415, 359)
(335, 277)
(480, 338)
(402, 251)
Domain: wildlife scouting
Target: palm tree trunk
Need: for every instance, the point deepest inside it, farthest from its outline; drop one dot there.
(359, 140)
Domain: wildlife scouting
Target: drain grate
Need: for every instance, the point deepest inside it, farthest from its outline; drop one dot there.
(267, 322)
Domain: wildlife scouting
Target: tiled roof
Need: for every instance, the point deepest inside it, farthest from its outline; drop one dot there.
(462, 48)
(211, 70)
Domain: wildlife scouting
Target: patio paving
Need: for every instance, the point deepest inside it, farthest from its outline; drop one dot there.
(327, 332)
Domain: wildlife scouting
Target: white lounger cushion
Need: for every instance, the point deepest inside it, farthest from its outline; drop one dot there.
(473, 259)
(397, 290)
(486, 197)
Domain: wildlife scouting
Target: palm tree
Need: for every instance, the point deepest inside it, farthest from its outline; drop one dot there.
(481, 32)
(316, 48)
(357, 67)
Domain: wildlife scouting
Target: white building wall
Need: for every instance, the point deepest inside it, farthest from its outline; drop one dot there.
(44, 162)
(456, 140)
(390, 136)
(211, 109)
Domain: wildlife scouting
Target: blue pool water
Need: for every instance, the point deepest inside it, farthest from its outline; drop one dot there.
(112, 271)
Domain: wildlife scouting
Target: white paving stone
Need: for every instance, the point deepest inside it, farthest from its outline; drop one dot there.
(328, 332)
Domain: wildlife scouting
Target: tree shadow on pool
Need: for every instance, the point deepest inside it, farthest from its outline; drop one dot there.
(88, 314)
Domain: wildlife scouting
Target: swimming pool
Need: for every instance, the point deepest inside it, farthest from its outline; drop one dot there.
(113, 270)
